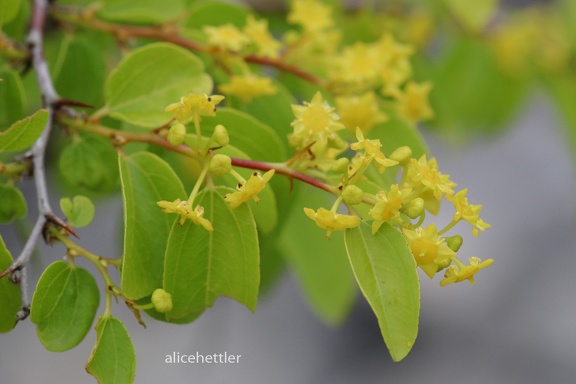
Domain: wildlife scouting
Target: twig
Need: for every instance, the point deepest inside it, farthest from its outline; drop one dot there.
(50, 98)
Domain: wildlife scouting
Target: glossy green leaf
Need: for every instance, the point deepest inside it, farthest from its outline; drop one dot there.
(79, 211)
(12, 96)
(18, 26)
(12, 204)
(247, 134)
(320, 265)
(386, 272)
(64, 305)
(202, 265)
(140, 11)
(473, 15)
(90, 162)
(215, 13)
(79, 61)
(10, 300)
(9, 9)
(150, 78)
(22, 134)
(146, 179)
(113, 359)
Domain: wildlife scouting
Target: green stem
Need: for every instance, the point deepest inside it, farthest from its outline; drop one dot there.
(448, 227)
(199, 181)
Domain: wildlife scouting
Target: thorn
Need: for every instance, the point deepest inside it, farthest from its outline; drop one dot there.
(291, 179)
(8, 271)
(50, 217)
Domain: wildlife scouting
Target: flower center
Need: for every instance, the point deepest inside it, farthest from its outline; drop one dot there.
(316, 118)
(425, 251)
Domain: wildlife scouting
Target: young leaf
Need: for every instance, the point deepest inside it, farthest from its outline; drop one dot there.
(64, 305)
(320, 265)
(201, 265)
(386, 272)
(12, 204)
(90, 162)
(79, 211)
(140, 11)
(10, 300)
(146, 179)
(12, 96)
(151, 77)
(22, 134)
(113, 360)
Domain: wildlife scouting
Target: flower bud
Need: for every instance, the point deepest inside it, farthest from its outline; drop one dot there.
(220, 165)
(177, 134)
(415, 208)
(341, 165)
(454, 242)
(162, 300)
(402, 155)
(220, 135)
(352, 195)
(444, 264)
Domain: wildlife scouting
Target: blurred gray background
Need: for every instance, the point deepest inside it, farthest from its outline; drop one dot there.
(516, 325)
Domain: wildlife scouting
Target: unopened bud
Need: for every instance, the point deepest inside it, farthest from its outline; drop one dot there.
(415, 208)
(444, 264)
(162, 300)
(177, 134)
(341, 165)
(352, 195)
(402, 155)
(220, 165)
(454, 242)
(220, 135)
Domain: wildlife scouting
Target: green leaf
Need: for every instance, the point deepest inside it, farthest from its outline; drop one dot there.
(146, 179)
(10, 300)
(202, 265)
(64, 305)
(113, 359)
(12, 95)
(79, 61)
(9, 9)
(473, 15)
(79, 211)
(150, 78)
(215, 13)
(247, 134)
(275, 110)
(22, 134)
(12, 204)
(386, 272)
(471, 65)
(562, 89)
(320, 265)
(140, 11)
(18, 26)
(90, 162)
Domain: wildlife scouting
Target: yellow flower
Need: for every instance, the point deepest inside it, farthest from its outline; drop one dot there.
(372, 150)
(312, 15)
(248, 87)
(315, 122)
(358, 64)
(185, 211)
(226, 37)
(388, 206)
(395, 66)
(456, 274)
(332, 221)
(257, 31)
(360, 111)
(192, 104)
(429, 250)
(413, 102)
(468, 212)
(249, 189)
(428, 182)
